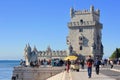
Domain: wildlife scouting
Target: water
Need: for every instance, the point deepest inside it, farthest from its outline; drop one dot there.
(6, 68)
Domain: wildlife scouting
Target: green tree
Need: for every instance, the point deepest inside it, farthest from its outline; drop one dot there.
(115, 54)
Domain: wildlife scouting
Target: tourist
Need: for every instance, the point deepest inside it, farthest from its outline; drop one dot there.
(61, 62)
(111, 63)
(102, 63)
(97, 64)
(13, 78)
(68, 63)
(82, 64)
(21, 62)
(32, 64)
(45, 62)
(89, 66)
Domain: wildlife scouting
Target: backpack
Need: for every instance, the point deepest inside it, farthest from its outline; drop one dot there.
(89, 62)
(97, 62)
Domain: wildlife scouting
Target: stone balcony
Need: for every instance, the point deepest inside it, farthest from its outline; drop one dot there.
(84, 23)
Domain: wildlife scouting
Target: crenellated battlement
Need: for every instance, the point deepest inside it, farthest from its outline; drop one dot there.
(81, 12)
(56, 53)
(85, 12)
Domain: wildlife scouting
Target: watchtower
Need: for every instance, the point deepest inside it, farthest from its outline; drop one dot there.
(85, 32)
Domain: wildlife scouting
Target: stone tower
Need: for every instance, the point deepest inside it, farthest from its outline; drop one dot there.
(85, 32)
(30, 55)
(27, 54)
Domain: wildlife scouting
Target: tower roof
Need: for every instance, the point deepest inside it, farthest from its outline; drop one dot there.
(35, 49)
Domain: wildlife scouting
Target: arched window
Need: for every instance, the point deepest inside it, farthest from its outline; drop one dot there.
(81, 21)
(81, 47)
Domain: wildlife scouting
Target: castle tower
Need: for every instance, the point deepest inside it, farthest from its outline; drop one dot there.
(85, 32)
(27, 54)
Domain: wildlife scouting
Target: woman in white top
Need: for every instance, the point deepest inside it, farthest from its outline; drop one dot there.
(111, 63)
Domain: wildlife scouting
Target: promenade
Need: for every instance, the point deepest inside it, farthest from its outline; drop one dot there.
(81, 75)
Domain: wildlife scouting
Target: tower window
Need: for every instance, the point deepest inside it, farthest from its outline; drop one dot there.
(81, 30)
(81, 21)
(67, 40)
(80, 47)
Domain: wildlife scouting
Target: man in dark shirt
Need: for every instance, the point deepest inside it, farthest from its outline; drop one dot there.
(97, 64)
(89, 66)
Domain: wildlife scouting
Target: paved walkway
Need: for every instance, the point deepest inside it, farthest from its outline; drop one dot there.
(60, 76)
(82, 75)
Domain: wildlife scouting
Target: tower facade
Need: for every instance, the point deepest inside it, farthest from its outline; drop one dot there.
(85, 32)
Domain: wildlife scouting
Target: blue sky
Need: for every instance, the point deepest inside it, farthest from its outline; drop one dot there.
(44, 22)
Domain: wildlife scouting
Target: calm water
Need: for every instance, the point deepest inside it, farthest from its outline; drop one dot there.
(6, 68)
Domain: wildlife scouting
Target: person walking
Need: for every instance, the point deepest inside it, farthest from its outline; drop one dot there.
(97, 64)
(82, 64)
(89, 66)
(68, 63)
(111, 63)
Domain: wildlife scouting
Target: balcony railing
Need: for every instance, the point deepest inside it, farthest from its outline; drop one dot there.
(84, 23)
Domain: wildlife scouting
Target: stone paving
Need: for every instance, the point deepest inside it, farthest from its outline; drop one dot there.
(60, 76)
(81, 75)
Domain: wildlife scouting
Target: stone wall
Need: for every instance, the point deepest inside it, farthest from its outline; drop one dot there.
(41, 73)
